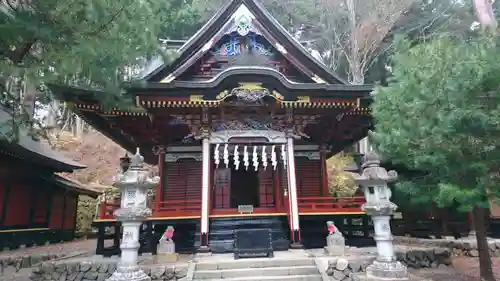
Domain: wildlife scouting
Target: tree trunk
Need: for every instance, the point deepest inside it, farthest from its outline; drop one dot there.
(484, 13)
(52, 115)
(79, 127)
(472, 228)
(485, 269)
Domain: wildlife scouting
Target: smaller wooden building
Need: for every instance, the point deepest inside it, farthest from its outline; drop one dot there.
(36, 205)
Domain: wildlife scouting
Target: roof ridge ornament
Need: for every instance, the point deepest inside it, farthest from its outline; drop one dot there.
(242, 19)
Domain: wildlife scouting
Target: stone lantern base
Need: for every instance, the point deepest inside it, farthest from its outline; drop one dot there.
(129, 273)
(379, 270)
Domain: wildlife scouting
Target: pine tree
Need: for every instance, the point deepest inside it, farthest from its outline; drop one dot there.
(440, 114)
(88, 43)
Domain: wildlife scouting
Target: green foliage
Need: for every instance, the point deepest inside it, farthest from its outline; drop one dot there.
(88, 208)
(340, 182)
(440, 114)
(85, 214)
(87, 43)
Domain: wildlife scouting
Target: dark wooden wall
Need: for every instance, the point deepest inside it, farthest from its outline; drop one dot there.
(183, 180)
(267, 187)
(308, 173)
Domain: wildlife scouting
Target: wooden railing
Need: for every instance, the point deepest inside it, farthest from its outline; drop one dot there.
(330, 204)
(192, 208)
(174, 208)
(107, 208)
(177, 208)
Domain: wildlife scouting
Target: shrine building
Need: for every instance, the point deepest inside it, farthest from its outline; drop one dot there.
(240, 126)
(37, 204)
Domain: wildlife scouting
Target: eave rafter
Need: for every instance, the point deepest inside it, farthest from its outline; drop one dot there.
(198, 101)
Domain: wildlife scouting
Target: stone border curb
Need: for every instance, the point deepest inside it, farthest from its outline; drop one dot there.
(100, 270)
(461, 247)
(348, 269)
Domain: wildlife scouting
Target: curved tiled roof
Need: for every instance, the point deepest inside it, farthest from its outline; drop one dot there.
(36, 151)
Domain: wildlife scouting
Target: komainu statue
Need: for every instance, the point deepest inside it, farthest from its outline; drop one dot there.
(335, 242)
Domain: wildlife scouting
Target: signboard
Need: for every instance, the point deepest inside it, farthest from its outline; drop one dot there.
(245, 209)
(253, 243)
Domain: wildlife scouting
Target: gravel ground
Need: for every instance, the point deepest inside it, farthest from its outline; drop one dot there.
(464, 269)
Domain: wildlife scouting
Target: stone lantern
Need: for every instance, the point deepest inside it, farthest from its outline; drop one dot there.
(134, 184)
(373, 180)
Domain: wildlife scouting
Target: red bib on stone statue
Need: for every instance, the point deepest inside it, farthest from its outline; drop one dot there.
(331, 228)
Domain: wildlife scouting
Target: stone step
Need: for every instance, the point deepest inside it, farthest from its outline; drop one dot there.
(226, 245)
(228, 234)
(310, 277)
(246, 272)
(255, 263)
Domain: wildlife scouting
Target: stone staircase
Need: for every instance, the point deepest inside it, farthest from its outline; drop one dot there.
(258, 269)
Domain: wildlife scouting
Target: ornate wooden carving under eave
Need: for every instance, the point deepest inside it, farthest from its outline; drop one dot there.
(159, 150)
(224, 137)
(174, 157)
(311, 155)
(249, 93)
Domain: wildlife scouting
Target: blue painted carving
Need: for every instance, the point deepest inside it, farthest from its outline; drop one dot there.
(238, 45)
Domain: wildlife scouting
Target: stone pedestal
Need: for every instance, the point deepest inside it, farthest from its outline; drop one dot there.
(166, 250)
(386, 271)
(385, 267)
(334, 251)
(162, 258)
(129, 273)
(127, 268)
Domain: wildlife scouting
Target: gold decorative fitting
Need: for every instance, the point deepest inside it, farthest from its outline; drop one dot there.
(87, 107)
(222, 95)
(359, 111)
(137, 101)
(207, 45)
(303, 99)
(251, 86)
(168, 79)
(318, 79)
(196, 98)
(281, 49)
(277, 95)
